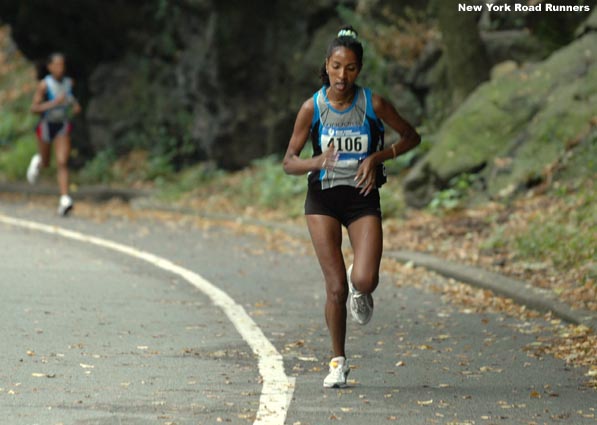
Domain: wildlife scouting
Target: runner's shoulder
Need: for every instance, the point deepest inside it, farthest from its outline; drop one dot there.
(380, 104)
(307, 109)
(42, 84)
(308, 105)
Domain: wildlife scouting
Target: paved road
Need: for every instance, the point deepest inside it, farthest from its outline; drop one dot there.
(90, 336)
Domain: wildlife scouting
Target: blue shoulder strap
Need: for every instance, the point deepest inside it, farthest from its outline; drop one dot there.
(69, 84)
(316, 109)
(50, 94)
(370, 110)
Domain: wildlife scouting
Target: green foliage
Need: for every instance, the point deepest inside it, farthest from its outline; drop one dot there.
(15, 159)
(189, 179)
(455, 195)
(497, 240)
(16, 120)
(392, 202)
(99, 169)
(159, 168)
(271, 187)
(17, 138)
(405, 161)
(568, 238)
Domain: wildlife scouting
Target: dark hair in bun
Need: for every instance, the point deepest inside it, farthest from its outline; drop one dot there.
(55, 55)
(347, 37)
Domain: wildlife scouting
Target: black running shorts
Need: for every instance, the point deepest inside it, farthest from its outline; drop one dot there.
(344, 203)
(47, 131)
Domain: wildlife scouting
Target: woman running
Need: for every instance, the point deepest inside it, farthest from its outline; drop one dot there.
(345, 122)
(54, 101)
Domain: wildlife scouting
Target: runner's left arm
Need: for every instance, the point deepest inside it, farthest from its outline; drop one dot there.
(409, 138)
(75, 103)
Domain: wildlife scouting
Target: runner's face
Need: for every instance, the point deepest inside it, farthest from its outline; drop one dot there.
(343, 69)
(57, 67)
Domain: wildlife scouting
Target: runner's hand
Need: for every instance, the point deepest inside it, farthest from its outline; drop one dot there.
(328, 159)
(76, 108)
(366, 176)
(60, 100)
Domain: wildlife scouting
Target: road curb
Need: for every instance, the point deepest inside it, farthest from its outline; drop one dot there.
(521, 292)
(94, 193)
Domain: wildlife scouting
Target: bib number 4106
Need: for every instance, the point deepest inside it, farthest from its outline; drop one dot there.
(347, 144)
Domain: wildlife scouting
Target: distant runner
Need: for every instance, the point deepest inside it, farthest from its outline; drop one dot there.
(55, 102)
(344, 122)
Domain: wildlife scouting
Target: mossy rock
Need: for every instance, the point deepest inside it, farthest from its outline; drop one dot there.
(515, 125)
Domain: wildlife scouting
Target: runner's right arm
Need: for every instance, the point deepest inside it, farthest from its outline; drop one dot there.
(293, 163)
(39, 106)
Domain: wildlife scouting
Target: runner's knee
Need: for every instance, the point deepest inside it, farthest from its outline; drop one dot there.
(337, 292)
(365, 281)
(61, 162)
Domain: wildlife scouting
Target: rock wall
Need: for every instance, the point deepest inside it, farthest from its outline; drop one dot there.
(515, 125)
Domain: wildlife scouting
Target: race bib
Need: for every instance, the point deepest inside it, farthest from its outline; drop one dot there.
(346, 140)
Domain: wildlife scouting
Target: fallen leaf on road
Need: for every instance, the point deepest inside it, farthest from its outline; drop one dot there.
(535, 394)
(307, 358)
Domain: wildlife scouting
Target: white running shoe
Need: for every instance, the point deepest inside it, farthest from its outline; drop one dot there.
(65, 205)
(33, 169)
(361, 304)
(339, 371)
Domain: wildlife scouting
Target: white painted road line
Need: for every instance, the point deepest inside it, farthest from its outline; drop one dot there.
(277, 389)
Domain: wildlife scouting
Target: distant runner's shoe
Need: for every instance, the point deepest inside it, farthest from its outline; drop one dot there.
(33, 169)
(339, 371)
(361, 304)
(65, 206)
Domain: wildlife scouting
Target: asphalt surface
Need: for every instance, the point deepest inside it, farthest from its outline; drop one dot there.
(89, 336)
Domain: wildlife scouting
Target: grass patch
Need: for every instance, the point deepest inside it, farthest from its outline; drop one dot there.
(16, 121)
(269, 186)
(188, 180)
(565, 234)
(98, 170)
(17, 137)
(15, 159)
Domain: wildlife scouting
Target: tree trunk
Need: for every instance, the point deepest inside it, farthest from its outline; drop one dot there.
(465, 54)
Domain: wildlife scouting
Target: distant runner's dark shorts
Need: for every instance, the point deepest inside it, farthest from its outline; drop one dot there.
(344, 203)
(47, 131)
